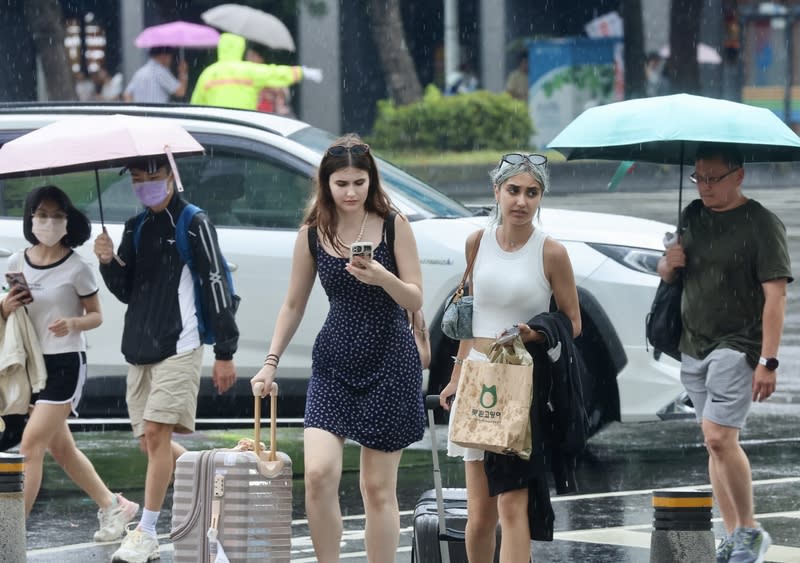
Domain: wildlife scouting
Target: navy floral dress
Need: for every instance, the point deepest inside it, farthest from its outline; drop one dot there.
(366, 380)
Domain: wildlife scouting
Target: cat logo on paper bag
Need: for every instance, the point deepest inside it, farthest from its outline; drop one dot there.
(492, 393)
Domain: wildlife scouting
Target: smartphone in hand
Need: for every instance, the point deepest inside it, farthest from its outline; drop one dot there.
(362, 249)
(508, 335)
(17, 280)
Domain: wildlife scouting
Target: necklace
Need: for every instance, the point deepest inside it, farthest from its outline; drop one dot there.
(513, 244)
(363, 225)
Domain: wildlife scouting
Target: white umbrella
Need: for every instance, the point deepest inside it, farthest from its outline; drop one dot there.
(706, 54)
(252, 24)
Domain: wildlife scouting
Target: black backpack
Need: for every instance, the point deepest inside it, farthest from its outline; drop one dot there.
(663, 324)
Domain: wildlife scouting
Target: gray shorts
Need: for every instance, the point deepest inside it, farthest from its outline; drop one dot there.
(720, 386)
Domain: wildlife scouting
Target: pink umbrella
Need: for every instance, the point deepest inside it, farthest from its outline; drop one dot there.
(77, 143)
(178, 34)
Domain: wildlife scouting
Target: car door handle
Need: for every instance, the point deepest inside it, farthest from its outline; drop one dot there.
(5, 253)
(233, 267)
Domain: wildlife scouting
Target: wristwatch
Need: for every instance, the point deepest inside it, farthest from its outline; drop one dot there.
(770, 363)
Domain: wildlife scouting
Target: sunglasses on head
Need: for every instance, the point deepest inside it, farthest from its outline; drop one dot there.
(514, 158)
(341, 150)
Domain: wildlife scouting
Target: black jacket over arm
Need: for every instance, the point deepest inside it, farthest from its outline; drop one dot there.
(562, 422)
(558, 424)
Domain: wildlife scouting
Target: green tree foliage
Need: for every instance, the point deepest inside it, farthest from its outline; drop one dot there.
(465, 122)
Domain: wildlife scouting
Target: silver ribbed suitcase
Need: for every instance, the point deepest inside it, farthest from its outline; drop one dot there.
(235, 501)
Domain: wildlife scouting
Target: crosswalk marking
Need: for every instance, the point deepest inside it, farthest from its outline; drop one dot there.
(633, 535)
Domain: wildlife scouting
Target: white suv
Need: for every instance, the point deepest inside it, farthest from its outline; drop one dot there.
(254, 180)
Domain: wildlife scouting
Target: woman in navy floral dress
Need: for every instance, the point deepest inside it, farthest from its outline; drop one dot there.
(366, 382)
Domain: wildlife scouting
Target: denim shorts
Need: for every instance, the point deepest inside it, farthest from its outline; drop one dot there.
(720, 386)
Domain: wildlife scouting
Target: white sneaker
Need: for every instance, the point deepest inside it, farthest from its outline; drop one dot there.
(137, 547)
(113, 520)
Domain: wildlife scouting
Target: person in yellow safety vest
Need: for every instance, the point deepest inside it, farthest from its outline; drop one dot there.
(234, 83)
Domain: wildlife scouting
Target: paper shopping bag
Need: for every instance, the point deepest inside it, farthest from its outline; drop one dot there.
(493, 407)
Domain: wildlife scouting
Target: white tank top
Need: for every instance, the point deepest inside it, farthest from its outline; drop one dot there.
(509, 287)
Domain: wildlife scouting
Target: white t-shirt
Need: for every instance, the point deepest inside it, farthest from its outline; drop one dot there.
(57, 290)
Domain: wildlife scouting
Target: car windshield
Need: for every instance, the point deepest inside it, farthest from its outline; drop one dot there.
(414, 197)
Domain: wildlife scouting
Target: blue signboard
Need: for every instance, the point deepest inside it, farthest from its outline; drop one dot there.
(568, 75)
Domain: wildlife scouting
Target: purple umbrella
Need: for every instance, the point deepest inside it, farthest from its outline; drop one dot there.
(178, 34)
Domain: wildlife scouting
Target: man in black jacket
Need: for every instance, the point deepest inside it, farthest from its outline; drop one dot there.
(161, 339)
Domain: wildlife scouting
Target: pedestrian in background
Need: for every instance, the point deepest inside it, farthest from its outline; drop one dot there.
(234, 83)
(270, 100)
(366, 376)
(154, 83)
(517, 81)
(161, 339)
(462, 81)
(107, 88)
(62, 303)
(534, 268)
(656, 84)
(731, 330)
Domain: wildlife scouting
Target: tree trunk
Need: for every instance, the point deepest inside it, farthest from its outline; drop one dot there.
(634, 48)
(398, 67)
(46, 22)
(681, 69)
(168, 10)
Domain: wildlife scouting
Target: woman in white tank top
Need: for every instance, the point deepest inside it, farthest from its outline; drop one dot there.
(517, 270)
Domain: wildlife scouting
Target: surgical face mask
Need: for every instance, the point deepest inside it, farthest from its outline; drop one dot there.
(152, 193)
(49, 231)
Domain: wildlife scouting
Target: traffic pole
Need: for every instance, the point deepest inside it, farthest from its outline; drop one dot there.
(12, 508)
(682, 527)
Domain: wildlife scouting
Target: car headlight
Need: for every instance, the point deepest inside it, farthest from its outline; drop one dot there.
(639, 259)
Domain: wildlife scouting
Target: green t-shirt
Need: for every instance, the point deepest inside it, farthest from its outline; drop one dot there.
(729, 255)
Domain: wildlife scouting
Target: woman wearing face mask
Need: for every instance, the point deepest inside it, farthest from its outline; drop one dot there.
(65, 303)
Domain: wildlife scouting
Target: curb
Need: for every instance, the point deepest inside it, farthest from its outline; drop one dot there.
(593, 177)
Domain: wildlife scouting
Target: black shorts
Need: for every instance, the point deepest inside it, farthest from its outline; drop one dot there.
(66, 374)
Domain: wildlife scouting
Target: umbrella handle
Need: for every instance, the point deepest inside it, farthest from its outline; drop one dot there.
(99, 198)
(257, 416)
(178, 183)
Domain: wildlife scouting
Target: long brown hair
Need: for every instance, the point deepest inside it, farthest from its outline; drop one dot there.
(321, 212)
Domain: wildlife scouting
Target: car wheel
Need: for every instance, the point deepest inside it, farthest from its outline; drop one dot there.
(600, 391)
(443, 349)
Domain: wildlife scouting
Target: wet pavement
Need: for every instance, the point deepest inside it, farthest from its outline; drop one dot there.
(609, 521)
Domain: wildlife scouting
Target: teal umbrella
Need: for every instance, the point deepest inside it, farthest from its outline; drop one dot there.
(668, 129)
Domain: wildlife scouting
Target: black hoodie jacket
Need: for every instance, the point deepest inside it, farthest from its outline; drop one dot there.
(151, 278)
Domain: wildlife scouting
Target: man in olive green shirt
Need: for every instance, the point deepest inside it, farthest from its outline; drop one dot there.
(735, 262)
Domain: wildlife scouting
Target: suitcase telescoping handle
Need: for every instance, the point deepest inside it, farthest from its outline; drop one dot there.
(431, 404)
(269, 465)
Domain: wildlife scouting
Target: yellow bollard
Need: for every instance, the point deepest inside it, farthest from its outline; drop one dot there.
(12, 508)
(682, 527)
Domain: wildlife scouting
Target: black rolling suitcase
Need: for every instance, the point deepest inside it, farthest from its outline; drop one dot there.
(440, 515)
